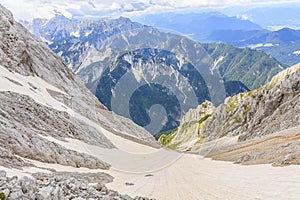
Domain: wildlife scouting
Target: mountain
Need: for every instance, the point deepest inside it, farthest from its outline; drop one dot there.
(43, 105)
(252, 68)
(59, 142)
(155, 58)
(217, 27)
(281, 44)
(70, 38)
(268, 17)
(197, 25)
(255, 118)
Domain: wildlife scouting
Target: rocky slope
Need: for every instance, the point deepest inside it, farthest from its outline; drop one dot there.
(266, 110)
(104, 52)
(59, 186)
(42, 98)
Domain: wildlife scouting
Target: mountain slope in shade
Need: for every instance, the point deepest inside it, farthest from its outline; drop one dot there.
(264, 111)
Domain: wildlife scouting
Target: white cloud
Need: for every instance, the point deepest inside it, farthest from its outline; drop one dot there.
(243, 17)
(115, 6)
(28, 9)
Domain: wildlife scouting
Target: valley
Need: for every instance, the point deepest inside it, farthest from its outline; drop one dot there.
(115, 109)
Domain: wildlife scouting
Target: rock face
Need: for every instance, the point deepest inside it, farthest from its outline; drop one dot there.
(162, 66)
(271, 108)
(20, 52)
(187, 133)
(42, 101)
(33, 108)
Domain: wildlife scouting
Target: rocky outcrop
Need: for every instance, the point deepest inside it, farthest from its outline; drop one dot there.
(42, 102)
(21, 52)
(187, 134)
(59, 185)
(271, 108)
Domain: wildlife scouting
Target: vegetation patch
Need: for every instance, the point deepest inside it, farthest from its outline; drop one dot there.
(158, 135)
(247, 110)
(165, 139)
(2, 196)
(296, 86)
(186, 125)
(238, 120)
(174, 146)
(231, 105)
(204, 118)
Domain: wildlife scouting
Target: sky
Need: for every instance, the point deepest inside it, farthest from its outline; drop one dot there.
(29, 9)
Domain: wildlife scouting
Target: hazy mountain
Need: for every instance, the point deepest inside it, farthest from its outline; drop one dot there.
(275, 17)
(282, 44)
(217, 27)
(197, 25)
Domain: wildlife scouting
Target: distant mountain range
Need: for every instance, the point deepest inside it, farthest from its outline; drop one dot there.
(197, 25)
(282, 44)
(274, 17)
(162, 66)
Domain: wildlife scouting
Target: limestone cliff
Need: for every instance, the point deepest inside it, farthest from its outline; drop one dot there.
(268, 109)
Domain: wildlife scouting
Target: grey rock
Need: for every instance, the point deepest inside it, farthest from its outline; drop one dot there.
(16, 194)
(45, 193)
(105, 198)
(57, 193)
(62, 185)
(2, 174)
(13, 180)
(99, 186)
(78, 198)
(5, 192)
(126, 197)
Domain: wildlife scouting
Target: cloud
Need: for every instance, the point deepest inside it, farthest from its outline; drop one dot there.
(28, 9)
(243, 17)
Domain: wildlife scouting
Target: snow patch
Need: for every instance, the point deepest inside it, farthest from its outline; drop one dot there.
(296, 52)
(33, 86)
(216, 63)
(138, 75)
(88, 33)
(75, 34)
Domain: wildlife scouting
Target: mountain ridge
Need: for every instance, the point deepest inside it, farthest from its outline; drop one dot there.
(264, 111)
